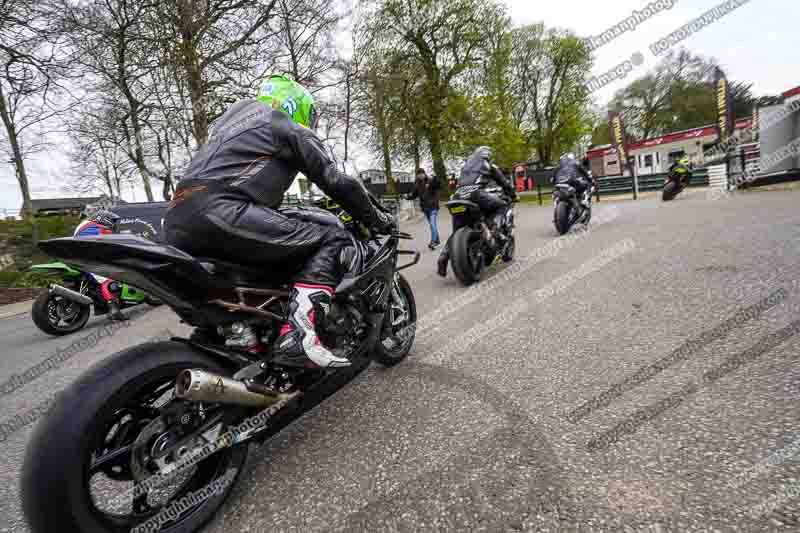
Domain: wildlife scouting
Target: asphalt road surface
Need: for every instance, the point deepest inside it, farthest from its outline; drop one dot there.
(640, 377)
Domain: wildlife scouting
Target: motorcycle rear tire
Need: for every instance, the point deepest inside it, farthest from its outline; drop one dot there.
(464, 269)
(41, 317)
(561, 218)
(54, 476)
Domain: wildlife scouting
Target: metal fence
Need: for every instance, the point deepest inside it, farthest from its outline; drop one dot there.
(655, 182)
(718, 177)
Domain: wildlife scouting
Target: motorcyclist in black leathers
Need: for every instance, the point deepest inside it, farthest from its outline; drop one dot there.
(479, 174)
(573, 173)
(226, 207)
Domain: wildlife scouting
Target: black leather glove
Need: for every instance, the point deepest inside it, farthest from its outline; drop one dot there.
(385, 224)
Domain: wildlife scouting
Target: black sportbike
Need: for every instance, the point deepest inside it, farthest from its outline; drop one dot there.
(568, 209)
(478, 242)
(155, 437)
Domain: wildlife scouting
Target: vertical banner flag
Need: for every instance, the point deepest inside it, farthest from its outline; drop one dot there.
(756, 125)
(618, 138)
(725, 122)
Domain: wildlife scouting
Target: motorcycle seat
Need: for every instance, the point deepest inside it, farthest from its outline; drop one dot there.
(118, 256)
(235, 274)
(465, 203)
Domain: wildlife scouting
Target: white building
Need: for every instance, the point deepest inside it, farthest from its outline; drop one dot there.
(654, 156)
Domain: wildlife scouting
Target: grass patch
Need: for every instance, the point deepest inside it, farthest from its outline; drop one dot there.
(16, 237)
(25, 280)
(533, 199)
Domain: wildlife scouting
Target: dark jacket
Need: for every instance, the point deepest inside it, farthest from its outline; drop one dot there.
(568, 170)
(479, 170)
(427, 191)
(257, 152)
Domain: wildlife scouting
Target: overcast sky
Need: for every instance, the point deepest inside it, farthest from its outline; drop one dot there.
(757, 42)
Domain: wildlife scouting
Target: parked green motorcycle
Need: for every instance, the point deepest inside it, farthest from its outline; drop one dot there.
(65, 307)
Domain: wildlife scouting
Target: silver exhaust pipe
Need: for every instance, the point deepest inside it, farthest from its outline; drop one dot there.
(70, 295)
(201, 386)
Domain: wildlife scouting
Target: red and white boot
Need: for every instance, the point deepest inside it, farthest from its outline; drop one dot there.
(298, 344)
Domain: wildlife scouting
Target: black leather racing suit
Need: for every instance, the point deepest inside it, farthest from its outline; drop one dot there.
(573, 173)
(478, 175)
(226, 203)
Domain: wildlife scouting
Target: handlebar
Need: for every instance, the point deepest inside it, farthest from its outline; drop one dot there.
(377, 203)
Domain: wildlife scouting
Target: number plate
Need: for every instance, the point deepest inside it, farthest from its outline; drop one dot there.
(458, 209)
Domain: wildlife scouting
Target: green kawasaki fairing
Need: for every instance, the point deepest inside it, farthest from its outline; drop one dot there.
(57, 268)
(128, 294)
(132, 294)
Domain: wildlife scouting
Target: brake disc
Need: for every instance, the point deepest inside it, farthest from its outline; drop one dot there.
(66, 310)
(142, 450)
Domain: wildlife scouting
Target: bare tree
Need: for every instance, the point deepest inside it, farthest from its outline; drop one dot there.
(305, 33)
(29, 71)
(116, 47)
(219, 50)
(351, 95)
(99, 161)
(649, 103)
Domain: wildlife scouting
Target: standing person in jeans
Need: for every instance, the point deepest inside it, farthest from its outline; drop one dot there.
(427, 190)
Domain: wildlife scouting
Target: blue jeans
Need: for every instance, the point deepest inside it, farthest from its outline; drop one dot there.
(433, 220)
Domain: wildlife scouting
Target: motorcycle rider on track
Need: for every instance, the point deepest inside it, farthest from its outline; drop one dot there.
(683, 169)
(96, 222)
(479, 174)
(571, 172)
(226, 206)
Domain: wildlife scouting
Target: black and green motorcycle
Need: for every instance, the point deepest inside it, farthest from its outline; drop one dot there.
(66, 307)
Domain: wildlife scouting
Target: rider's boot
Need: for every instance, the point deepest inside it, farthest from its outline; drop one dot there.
(298, 344)
(110, 290)
(115, 313)
(587, 200)
(444, 258)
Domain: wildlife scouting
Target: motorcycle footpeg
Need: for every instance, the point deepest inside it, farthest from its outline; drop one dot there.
(251, 371)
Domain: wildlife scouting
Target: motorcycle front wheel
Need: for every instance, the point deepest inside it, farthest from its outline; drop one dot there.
(400, 325)
(511, 248)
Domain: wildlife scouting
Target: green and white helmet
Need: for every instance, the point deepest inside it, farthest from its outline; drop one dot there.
(279, 92)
